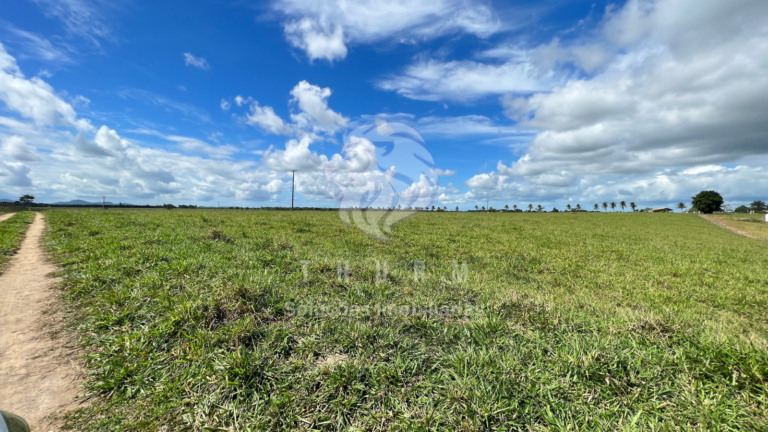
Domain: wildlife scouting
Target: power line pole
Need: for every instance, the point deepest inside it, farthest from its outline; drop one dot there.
(293, 187)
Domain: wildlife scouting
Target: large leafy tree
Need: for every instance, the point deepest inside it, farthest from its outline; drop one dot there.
(708, 202)
(757, 205)
(26, 200)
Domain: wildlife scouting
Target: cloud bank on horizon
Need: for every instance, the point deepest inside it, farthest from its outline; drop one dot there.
(639, 101)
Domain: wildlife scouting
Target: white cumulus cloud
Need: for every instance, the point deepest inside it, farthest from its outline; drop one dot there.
(324, 29)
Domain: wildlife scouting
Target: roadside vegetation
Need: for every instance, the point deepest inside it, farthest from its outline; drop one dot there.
(12, 233)
(750, 224)
(586, 322)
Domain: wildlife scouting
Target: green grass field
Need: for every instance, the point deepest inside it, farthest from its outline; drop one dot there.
(197, 320)
(12, 233)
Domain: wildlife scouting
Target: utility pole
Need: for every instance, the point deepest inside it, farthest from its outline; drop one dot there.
(293, 187)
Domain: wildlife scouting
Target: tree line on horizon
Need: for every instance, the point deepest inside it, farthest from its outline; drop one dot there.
(704, 202)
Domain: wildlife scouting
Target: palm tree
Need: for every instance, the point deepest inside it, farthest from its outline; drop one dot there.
(483, 208)
(596, 207)
(445, 207)
(568, 207)
(578, 207)
(506, 207)
(514, 207)
(623, 205)
(605, 206)
(457, 208)
(530, 207)
(399, 207)
(539, 208)
(681, 206)
(633, 206)
(476, 208)
(613, 206)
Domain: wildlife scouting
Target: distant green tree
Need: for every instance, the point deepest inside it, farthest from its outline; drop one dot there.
(477, 208)
(506, 207)
(742, 209)
(457, 208)
(605, 206)
(514, 207)
(530, 207)
(555, 210)
(681, 206)
(633, 206)
(539, 208)
(26, 200)
(568, 207)
(578, 207)
(169, 206)
(757, 206)
(596, 207)
(613, 206)
(707, 201)
(623, 205)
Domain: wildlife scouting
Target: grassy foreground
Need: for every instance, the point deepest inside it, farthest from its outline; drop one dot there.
(198, 320)
(12, 233)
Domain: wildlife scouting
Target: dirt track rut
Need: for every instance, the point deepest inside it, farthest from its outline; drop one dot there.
(37, 375)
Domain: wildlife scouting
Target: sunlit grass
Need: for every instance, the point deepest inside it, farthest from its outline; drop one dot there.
(588, 321)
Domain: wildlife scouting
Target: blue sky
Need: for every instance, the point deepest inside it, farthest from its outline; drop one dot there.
(523, 102)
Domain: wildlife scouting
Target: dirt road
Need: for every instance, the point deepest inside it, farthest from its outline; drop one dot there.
(36, 378)
(719, 223)
(6, 216)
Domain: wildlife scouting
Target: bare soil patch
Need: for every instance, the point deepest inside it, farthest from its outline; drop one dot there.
(38, 375)
(6, 216)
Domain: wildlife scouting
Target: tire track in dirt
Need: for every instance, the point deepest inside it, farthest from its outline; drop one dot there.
(730, 228)
(6, 216)
(38, 376)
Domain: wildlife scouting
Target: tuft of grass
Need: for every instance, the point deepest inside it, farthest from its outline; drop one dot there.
(12, 233)
(584, 322)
